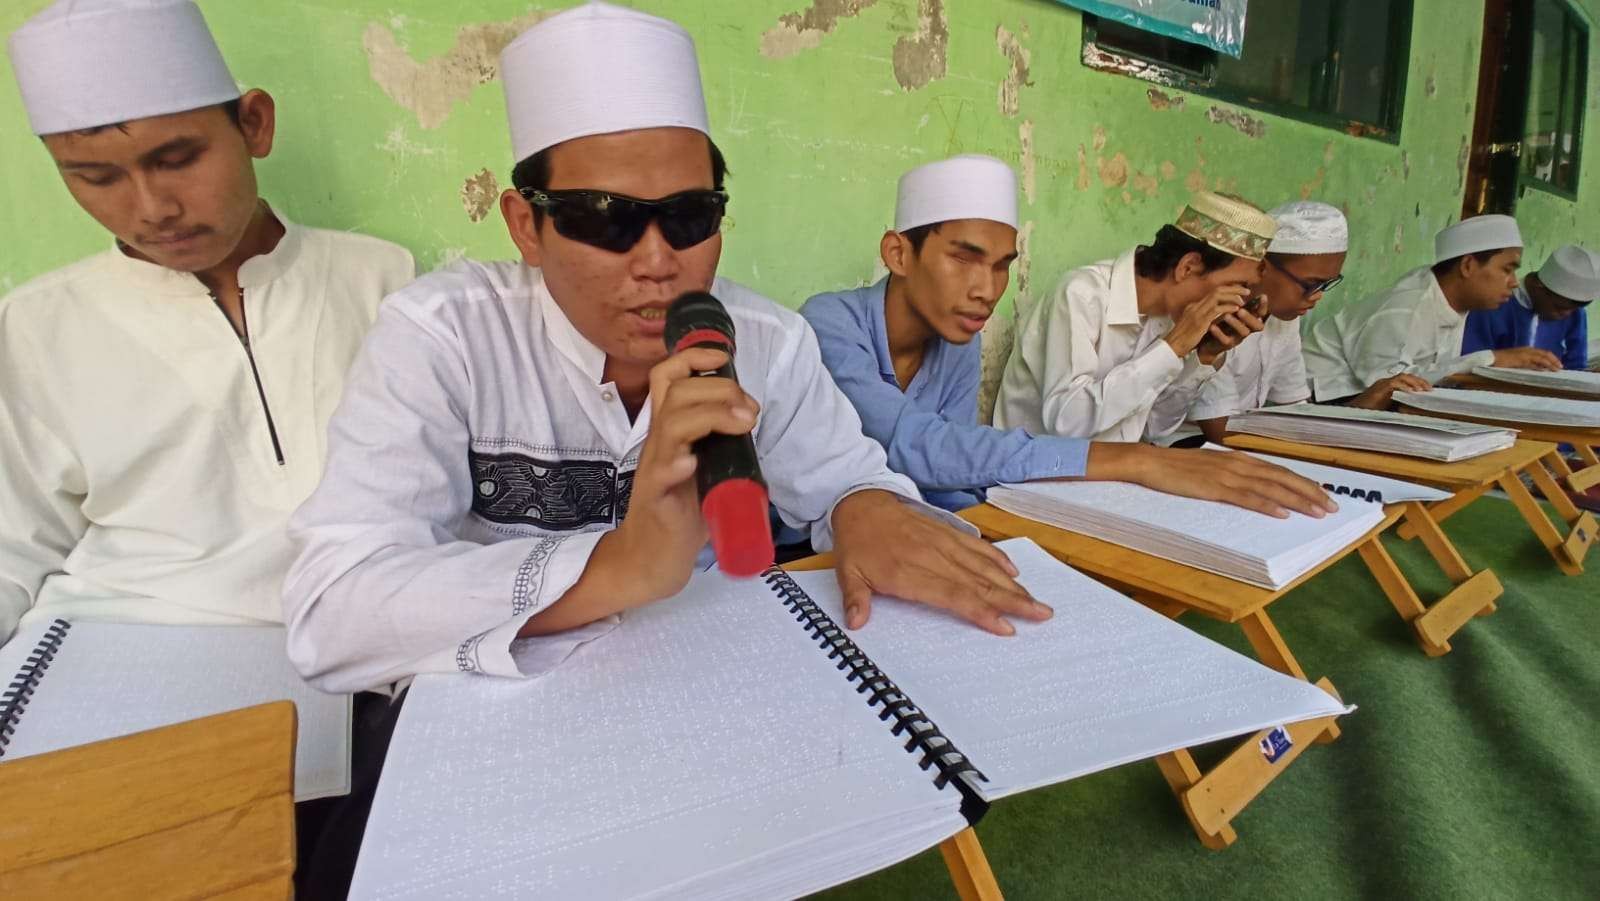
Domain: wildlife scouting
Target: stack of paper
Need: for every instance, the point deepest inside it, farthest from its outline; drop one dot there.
(1525, 408)
(1569, 380)
(1374, 430)
(1216, 537)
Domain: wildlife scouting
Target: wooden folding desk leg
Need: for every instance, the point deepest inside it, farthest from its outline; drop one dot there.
(1271, 650)
(1445, 509)
(1568, 552)
(1400, 593)
(1212, 800)
(1474, 594)
(969, 868)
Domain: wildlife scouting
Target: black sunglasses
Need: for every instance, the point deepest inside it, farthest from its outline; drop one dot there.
(616, 222)
(1310, 286)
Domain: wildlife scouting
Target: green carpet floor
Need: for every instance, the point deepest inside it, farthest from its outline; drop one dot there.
(1473, 775)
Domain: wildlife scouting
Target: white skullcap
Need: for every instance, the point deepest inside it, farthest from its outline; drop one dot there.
(89, 63)
(971, 186)
(1573, 272)
(598, 69)
(1475, 235)
(1308, 227)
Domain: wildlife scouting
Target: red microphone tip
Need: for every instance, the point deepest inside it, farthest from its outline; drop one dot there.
(741, 532)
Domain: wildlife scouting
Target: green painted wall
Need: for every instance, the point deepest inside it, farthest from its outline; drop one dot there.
(389, 118)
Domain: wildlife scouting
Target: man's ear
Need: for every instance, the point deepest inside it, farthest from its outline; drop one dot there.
(258, 121)
(897, 252)
(1190, 265)
(518, 213)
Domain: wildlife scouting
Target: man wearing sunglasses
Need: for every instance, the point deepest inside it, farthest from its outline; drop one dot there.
(1304, 262)
(906, 351)
(511, 465)
(1547, 311)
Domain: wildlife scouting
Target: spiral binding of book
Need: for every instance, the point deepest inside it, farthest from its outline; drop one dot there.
(923, 735)
(17, 694)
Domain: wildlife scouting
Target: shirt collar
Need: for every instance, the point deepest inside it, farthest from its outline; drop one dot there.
(1523, 299)
(570, 342)
(254, 273)
(878, 328)
(1122, 307)
(1451, 317)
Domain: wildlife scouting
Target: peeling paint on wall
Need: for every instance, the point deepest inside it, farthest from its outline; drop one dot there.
(1169, 170)
(803, 30)
(920, 59)
(1030, 164)
(1099, 138)
(1239, 121)
(479, 193)
(1314, 185)
(1021, 58)
(1082, 183)
(1114, 172)
(1161, 100)
(432, 89)
(1146, 184)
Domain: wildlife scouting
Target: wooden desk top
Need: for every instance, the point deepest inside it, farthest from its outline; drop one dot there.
(1462, 474)
(1216, 596)
(1570, 434)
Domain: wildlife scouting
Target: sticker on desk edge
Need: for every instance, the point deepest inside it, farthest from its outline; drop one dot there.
(1275, 744)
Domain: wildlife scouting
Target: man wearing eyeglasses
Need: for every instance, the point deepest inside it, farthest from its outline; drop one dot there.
(1304, 262)
(1548, 311)
(511, 465)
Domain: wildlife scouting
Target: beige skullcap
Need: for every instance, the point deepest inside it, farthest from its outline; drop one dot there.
(1228, 223)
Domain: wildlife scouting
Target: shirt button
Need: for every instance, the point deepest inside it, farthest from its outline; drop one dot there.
(607, 396)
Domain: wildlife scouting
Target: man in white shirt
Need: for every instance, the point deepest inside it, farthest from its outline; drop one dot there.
(1090, 361)
(1416, 326)
(1304, 262)
(162, 404)
(510, 467)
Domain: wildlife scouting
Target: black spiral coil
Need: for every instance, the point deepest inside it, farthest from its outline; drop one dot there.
(923, 734)
(17, 694)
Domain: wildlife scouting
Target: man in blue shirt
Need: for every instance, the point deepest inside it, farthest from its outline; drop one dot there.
(906, 351)
(1547, 311)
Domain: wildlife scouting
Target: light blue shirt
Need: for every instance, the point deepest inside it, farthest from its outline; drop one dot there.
(930, 430)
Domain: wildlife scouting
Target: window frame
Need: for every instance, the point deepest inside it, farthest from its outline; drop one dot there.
(1573, 23)
(1117, 61)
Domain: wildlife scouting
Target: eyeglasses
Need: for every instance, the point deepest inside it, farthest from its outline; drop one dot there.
(1310, 286)
(616, 222)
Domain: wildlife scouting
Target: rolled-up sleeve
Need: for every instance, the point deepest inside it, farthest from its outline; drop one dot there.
(382, 589)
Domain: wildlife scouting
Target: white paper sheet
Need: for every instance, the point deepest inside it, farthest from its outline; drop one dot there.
(1525, 408)
(110, 680)
(1349, 486)
(1576, 381)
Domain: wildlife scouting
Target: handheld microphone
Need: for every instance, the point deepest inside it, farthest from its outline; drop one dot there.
(733, 495)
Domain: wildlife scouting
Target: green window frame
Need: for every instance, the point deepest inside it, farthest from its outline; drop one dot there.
(1113, 47)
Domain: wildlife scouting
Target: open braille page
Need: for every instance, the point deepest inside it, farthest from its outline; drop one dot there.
(105, 680)
(1576, 381)
(1104, 682)
(1528, 408)
(705, 748)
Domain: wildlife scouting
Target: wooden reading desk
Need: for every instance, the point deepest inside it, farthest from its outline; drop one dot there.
(1585, 441)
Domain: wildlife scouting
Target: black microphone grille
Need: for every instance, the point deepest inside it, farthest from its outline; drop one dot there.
(694, 310)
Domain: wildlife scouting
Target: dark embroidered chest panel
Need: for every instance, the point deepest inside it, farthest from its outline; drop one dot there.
(555, 495)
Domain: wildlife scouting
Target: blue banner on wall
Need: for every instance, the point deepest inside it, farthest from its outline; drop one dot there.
(1218, 24)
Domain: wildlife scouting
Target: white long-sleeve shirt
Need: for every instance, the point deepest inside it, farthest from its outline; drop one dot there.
(1409, 328)
(1086, 364)
(139, 478)
(1265, 368)
(477, 458)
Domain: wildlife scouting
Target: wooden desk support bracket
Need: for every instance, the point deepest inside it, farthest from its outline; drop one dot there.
(969, 868)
